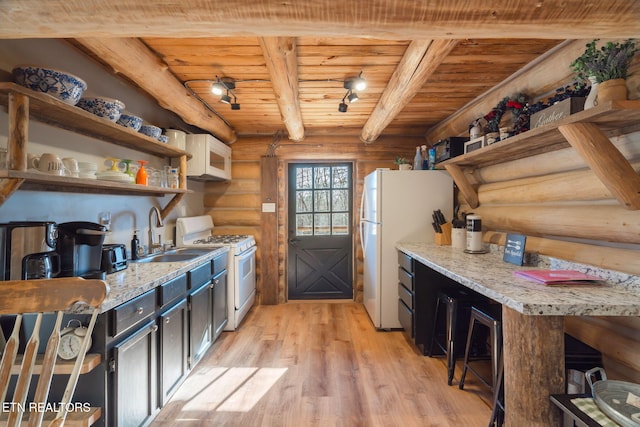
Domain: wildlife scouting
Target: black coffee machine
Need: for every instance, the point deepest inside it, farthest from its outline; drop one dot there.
(80, 248)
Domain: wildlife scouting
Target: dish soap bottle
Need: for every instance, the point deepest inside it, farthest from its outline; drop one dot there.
(417, 160)
(142, 177)
(135, 244)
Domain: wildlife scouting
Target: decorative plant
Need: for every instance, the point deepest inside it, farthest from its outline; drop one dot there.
(610, 61)
(401, 161)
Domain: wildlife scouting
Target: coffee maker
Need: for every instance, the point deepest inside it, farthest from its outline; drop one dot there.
(27, 250)
(80, 248)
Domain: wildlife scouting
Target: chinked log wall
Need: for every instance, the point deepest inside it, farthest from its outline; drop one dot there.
(562, 207)
(236, 206)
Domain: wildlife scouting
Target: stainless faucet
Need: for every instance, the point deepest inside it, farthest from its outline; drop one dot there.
(154, 246)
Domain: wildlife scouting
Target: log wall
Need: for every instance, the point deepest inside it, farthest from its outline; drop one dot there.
(235, 206)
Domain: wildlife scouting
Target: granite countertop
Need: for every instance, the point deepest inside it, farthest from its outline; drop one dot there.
(489, 275)
(139, 277)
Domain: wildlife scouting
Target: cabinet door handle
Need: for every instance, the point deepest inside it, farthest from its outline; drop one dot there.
(140, 310)
(154, 328)
(215, 282)
(167, 320)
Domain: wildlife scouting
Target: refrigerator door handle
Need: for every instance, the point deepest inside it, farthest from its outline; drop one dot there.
(362, 221)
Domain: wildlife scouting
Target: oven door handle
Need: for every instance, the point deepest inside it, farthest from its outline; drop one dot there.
(248, 252)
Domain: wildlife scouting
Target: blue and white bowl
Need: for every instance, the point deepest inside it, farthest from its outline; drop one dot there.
(107, 108)
(130, 121)
(163, 138)
(59, 84)
(150, 130)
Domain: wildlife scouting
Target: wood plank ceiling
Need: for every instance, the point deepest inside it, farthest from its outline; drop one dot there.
(423, 61)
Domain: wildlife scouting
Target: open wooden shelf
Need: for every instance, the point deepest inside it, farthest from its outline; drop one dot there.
(64, 367)
(24, 104)
(47, 109)
(43, 182)
(587, 131)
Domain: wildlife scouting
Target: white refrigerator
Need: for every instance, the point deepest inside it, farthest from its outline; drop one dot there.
(396, 206)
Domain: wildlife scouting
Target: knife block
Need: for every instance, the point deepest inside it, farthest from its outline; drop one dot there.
(444, 238)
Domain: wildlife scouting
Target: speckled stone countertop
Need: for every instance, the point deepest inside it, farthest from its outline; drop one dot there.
(139, 277)
(489, 275)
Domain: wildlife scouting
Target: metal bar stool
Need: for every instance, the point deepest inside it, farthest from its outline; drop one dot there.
(456, 302)
(489, 315)
(497, 414)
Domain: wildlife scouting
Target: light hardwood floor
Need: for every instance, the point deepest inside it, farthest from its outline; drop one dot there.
(321, 364)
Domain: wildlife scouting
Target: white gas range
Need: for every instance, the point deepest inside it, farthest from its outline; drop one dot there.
(197, 231)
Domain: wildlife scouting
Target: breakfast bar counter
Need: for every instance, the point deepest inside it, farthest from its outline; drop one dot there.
(532, 317)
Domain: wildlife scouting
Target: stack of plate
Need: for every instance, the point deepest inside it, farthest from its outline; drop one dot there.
(113, 176)
(87, 170)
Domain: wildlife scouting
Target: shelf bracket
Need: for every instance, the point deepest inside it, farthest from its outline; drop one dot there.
(606, 162)
(468, 191)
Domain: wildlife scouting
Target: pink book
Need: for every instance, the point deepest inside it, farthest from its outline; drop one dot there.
(559, 277)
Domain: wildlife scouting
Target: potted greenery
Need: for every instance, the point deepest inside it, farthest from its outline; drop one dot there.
(606, 67)
(400, 161)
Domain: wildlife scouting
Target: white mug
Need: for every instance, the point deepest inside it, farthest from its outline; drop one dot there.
(405, 167)
(71, 166)
(49, 163)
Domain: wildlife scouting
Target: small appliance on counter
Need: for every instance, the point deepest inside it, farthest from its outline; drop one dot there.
(80, 248)
(27, 250)
(43, 265)
(114, 257)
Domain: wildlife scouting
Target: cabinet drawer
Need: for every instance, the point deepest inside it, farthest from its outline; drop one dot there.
(405, 295)
(172, 290)
(220, 263)
(405, 316)
(199, 275)
(130, 313)
(405, 261)
(405, 278)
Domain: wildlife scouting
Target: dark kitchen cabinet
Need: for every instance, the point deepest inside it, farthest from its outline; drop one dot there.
(418, 287)
(200, 322)
(174, 349)
(149, 344)
(219, 303)
(135, 374)
(405, 294)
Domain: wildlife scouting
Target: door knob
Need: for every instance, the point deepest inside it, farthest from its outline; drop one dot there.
(293, 241)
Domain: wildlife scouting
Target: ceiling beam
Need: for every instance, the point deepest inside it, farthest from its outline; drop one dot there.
(420, 60)
(133, 59)
(384, 19)
(282, 63)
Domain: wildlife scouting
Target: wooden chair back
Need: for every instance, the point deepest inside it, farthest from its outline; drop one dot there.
(60, 295)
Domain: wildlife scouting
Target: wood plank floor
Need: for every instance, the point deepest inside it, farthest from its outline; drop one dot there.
(321, 364)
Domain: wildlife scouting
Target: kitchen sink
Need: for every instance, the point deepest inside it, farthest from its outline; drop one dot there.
(175, 255)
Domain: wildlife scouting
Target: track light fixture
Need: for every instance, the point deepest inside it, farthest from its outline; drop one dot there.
(343, 106)
(352, 85)
(357, 83)
(223, 88)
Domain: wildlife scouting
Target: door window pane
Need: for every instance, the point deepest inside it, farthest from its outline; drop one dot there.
(323, 177)
(340, 200)
(340, 177)
(304, 225)
(303, 178)
(321, 226)
(322, 201)
(340, 223)
(304, 201)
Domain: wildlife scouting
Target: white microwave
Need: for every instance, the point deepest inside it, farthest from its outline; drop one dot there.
(211, 158)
